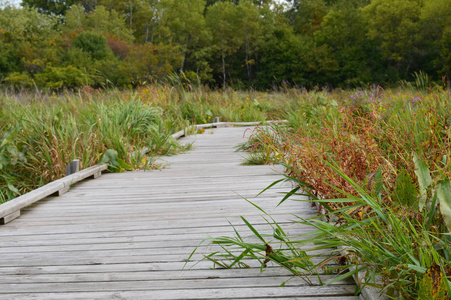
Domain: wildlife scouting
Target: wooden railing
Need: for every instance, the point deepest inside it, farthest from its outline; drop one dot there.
(11, 209)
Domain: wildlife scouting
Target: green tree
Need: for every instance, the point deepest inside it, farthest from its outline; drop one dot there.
(126, 7)
(147, 19)
(436, 35)
(186, 23)
(223, 21)
(27, 39)
(344, 29)
(100, 20)
(251, 28)
(281, 59)
(56, 78)
(256, 2)
(109, 22)
(75, 19)
(50, 7)
(306, 15)
(395, 24)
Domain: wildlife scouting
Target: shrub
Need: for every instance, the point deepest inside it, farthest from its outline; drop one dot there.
(119, 47)
(56, 78)
(77, 58)
(93, 43)
(19, 80)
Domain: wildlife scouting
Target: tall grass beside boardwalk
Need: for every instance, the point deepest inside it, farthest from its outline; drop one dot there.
(39, 138)
(378, 164)
(362, 131)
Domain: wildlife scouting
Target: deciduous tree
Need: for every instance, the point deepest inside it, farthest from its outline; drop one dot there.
(223, 20)
(395, 24)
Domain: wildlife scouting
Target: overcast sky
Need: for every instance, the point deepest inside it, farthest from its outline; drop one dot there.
(17, 2)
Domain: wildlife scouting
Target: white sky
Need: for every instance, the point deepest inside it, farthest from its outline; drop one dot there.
(17, 2)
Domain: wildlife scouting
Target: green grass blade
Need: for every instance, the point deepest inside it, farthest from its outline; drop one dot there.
(253, 230)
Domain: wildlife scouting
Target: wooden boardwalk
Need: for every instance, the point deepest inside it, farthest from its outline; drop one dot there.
(127, 236)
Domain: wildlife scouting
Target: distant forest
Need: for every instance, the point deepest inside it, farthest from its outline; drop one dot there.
(243, 43)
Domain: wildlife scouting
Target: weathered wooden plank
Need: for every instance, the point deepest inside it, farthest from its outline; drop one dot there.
(201, 189)
(146, 296)
(139, 231)
(14, 229)
(189, 185)
(120, 255)
(29, 198)
(166, 263)
(231, 200)
(116, 256)
(155, 285)
(149, 212)
(216, 124)
(169, 253)
(49, 225)
(75, 210)
(160, 275)
(174, 206)
(134, 267)
(121, 245)
(187, 215)
(308, 293)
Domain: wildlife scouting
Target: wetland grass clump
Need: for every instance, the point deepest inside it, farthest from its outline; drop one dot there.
(39, 138)
(376, 162)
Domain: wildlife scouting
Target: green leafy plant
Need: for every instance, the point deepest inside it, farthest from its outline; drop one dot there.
(382, 246)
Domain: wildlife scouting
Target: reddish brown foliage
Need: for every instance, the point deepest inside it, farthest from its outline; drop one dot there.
(119, 47)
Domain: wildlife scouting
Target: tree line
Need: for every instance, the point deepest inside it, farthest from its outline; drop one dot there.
(238, 43)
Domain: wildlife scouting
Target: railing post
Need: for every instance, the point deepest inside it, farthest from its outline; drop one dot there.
(73, 167)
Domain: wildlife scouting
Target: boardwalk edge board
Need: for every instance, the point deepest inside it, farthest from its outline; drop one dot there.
(11, 209)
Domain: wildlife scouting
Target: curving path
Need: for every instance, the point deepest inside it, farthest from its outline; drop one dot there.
(127, 236)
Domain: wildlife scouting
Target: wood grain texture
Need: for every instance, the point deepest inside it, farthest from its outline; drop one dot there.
(129, 235)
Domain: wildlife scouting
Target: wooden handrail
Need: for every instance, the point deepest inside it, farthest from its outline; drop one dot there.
(11, 209)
